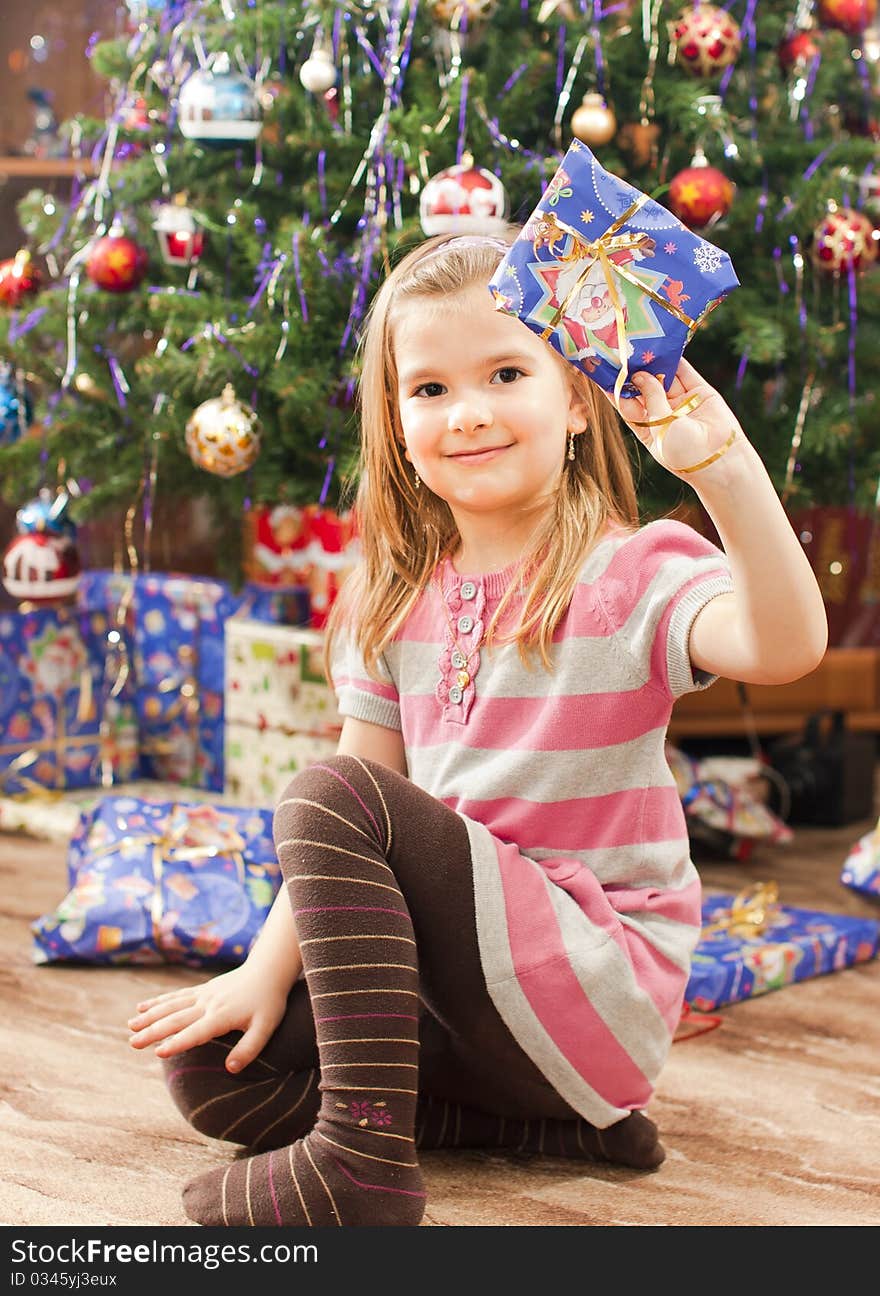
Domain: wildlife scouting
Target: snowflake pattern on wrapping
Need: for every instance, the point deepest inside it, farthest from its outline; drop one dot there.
(707, 258)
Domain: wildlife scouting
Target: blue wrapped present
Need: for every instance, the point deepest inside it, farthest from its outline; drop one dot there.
(750, 944)
(861, 868)
(610, 278)
(162, 882)
(173, 629)
(60, 727)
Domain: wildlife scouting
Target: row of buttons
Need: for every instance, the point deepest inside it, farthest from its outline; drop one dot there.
(465, 625)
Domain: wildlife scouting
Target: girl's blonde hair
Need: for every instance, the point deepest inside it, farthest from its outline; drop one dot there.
(404, 532)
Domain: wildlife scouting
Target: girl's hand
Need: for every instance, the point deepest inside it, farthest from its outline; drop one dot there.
(236, 1000)
(687, 442)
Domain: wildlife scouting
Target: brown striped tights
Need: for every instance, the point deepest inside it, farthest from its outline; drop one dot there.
(390, 1043)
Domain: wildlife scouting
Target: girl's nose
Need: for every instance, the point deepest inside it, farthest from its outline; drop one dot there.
(469, 413)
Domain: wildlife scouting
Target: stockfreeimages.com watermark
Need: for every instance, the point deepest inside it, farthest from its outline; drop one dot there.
(94, 1251)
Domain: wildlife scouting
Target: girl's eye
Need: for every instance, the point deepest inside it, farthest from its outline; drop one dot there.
(508, 374)
(430, 389)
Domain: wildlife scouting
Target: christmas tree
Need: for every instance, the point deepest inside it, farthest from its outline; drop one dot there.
(262, 164)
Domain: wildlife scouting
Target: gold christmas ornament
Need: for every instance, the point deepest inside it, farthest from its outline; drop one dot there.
(222, 435)
(594, 123)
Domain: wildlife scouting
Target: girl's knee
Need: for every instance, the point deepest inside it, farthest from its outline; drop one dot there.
(346, 786)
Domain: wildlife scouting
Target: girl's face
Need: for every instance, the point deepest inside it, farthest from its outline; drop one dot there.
(485, 407)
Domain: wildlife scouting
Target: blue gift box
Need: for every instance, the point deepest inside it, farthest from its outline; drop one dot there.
(162, 882)
(173, 626)
(861, 868)
(59, 727)
(609, 277)
(750, 945)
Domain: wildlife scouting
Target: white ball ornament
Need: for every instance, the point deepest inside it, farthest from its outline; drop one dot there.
(318, 73)
(222, 435)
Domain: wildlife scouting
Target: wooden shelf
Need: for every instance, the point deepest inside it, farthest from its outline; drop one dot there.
(45, 168)
(847, 680)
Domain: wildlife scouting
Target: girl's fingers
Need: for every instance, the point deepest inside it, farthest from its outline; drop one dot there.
(164, 1027)
(162, 998)
(161, 1008)
(199, 1032)
(246, 1049)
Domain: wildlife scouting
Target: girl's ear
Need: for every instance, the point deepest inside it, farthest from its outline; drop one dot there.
(578, 419)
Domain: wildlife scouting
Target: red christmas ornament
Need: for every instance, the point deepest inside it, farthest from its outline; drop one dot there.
(700, 195)
(40, 567)
(850, 16)
(116, 263)
(19, 278)
(797, 50)
(706, 39)
(463, 199)
(844, 240)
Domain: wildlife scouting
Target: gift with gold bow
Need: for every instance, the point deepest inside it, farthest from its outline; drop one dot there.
(159, 881)
(609, 277)
(751, 943)
(59, 725)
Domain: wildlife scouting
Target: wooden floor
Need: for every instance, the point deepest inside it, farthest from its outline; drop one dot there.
(772, 1119)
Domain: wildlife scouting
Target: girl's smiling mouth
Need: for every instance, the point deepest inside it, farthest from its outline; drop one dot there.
(478, 456)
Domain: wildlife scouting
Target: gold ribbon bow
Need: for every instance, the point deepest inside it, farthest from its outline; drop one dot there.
(168, 848)
(26, 754)
(751, 911)
(551, 229)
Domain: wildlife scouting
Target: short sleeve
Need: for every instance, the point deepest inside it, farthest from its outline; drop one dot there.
(358, 693)
(658, 581)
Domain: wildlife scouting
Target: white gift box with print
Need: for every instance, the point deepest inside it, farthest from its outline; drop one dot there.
(280, 711)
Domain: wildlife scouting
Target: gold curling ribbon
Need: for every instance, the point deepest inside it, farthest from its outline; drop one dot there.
(752, 910)
(166, 849)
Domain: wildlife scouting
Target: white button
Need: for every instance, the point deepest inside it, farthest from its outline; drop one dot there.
(468, 590)
(465, 624)
(459, 660)
(455, 694)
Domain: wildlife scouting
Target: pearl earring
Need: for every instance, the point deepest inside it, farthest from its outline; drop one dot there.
(417, 481)
(571, 445)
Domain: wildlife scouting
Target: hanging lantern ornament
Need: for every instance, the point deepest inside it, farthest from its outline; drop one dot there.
(181, 240)
(844, 240)
(222, 435)
(41, 564)
(850, 16)
(115, 262)
(464, 199)
(700, 195)
(318, 73)
(19, 278)
(219, 107)
(594, 123)
(706, 40)
(16, 410)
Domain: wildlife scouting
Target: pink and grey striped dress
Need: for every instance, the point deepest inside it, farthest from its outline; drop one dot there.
(587, 901)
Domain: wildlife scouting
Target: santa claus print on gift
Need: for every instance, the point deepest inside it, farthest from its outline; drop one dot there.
(578, 292)
(591, 319)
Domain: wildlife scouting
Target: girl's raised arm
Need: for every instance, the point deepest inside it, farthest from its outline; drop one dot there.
(773, 628)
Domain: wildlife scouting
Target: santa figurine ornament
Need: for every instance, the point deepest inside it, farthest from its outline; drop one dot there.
(464, 199)
(41, 565)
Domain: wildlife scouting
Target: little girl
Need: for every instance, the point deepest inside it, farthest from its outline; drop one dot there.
(489, 889)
